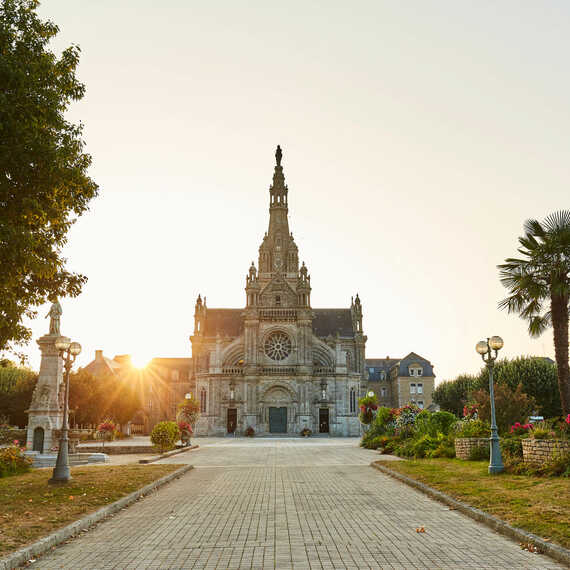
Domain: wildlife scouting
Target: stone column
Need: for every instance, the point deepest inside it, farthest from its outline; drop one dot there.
(46, 409)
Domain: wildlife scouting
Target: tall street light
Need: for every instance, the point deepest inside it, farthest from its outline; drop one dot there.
(68, 351)
(485, 348)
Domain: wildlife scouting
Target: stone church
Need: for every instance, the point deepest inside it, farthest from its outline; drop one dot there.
(278, 365)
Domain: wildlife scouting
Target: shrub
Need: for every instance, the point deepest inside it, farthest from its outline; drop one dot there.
(377, 442)
(106, 430)
(472, 428)
(188, 411)
(444, 449)
(511, 447)
(368, 405)
(306, 432)
(479, 453)
(13, 461)
(511, 406)
(432, 423)
(164, 436)
(249, 432)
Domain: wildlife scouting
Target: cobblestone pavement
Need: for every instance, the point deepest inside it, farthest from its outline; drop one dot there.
(278, 503)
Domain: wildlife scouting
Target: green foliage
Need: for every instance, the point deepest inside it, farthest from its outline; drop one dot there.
(13, 461)
(479, 453)
(510, 406)
(44, 185)
(511, 447)
(536, 375)
(377, 442)
(432, 423)
(472, 428)
(164, 435)
(539, 287)
(452, 395)
(93, 398)
(16, 388)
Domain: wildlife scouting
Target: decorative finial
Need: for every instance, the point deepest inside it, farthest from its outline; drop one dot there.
(278, 155)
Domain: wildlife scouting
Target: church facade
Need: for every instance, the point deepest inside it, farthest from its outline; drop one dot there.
(278, 365)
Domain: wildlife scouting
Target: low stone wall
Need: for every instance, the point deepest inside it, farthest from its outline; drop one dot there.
(464, 445)
(116, 449)
(8, 435)
(539, 451)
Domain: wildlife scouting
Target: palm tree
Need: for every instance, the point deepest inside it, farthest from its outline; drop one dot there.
(539, 287)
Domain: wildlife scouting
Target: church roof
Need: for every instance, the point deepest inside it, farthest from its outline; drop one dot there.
(330, 321)
(225, 322)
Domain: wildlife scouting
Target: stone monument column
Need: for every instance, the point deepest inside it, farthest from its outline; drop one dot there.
(46, 409)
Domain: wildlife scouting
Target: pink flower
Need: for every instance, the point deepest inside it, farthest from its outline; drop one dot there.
(567, 420)
(16, 442)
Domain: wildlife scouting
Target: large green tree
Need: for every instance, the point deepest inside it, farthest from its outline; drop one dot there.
(16, 388)
(539, 287)
(44, 185)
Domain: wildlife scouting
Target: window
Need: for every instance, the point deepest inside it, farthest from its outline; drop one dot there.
(420, 388)
(371, 370)
(203, 400)
(278, 300)
(412, 388)
(415, 370)
(382, 375)
(352, 400)
(384, 392)
(421, 404)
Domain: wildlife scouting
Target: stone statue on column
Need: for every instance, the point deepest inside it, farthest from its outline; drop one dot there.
(54, 315)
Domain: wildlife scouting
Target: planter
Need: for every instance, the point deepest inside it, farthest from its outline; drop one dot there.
(539, 451)
(464, 445)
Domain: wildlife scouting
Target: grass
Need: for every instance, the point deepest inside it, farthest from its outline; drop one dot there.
(31, 509)
(540, 505)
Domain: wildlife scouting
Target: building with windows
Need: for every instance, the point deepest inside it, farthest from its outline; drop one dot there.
(401, 381)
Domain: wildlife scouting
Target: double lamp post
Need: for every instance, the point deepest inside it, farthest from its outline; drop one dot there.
(485, 348)
(68, 351)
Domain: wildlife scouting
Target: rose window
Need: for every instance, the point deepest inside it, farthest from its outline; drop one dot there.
(278, 346)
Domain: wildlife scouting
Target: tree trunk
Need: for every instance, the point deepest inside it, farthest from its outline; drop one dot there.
(559, 308)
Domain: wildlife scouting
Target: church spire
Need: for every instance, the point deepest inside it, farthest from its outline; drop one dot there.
(278, 200)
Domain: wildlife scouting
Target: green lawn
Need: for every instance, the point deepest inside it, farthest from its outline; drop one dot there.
(540, 505)
(31, 509)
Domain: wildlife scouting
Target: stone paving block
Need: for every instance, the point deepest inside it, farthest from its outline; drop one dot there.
(288, 504)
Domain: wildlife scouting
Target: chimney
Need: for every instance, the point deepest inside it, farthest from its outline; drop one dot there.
(98, 354)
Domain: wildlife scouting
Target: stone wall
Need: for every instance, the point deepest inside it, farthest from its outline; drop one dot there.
(464, 445)
(539, 451)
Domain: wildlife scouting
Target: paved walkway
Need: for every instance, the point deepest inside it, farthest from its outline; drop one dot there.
(288, 503)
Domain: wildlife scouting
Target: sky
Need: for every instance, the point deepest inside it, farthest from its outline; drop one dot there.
(417, 138)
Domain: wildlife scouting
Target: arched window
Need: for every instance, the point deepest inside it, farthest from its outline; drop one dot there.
(203, 400)
(352, 400)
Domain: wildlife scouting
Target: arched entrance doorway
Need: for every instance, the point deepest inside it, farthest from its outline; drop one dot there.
(38, 444)
(279, 409)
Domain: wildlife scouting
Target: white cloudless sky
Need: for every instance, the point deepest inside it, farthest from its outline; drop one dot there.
(417, 139)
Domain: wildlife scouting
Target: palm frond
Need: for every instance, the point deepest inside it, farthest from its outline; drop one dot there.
(557, 222)
(533, 228)
(538, 324)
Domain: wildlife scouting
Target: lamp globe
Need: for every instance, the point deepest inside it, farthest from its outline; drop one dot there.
(496, 342)
(482, 347)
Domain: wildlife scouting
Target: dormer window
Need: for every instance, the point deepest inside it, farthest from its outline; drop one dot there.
(415, 370)
(277, 300)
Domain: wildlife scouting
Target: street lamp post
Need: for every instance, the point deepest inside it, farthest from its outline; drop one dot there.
(485, 348)
(61, 473)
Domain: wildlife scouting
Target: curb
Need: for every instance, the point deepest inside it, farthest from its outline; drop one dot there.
(559, 553)
(21, 557)
(169, 454)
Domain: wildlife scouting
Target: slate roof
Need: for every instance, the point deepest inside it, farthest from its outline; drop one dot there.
(330, 321)
(386, 364)
(225, 322)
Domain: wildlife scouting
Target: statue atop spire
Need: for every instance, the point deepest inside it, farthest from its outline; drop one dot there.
(54, 315)
(278, 155)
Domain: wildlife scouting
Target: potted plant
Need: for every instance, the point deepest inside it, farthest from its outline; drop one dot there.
(106, 431)
(249, 432)
(185, 433)
(306, 432)
(368, 405)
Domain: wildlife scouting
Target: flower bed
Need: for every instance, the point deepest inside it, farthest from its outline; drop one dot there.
(9, 434)
(539, 451)
(464, 446)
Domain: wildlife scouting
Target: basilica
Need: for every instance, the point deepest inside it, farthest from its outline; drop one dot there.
(279, 365)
